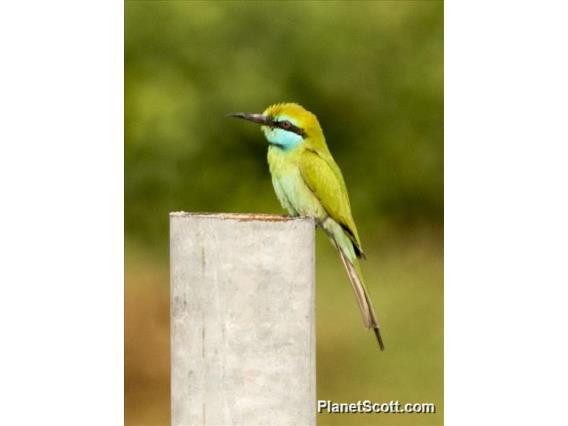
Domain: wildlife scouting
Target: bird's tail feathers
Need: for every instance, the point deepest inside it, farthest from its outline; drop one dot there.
(364, 301)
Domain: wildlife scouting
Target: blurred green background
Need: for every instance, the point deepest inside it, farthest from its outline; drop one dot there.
(373, 74)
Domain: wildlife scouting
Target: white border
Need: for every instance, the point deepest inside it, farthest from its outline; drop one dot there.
(61, 224)
(506, 256)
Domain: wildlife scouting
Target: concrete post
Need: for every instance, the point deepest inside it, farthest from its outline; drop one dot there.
(242, 320)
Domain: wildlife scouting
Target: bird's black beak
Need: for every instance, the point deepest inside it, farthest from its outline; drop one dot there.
(256, 118)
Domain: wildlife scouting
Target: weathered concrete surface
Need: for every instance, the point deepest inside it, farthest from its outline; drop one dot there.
(242, 320)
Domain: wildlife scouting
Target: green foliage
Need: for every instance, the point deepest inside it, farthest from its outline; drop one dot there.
(371, 71)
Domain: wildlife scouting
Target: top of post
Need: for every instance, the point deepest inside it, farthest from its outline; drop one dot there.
(241, 217)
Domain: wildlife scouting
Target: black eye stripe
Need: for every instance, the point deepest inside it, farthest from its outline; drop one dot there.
(286, 125)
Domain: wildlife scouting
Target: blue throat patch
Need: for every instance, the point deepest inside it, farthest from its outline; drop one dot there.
(281, 138)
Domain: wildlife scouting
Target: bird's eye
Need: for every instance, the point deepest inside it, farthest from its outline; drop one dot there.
(285, 124)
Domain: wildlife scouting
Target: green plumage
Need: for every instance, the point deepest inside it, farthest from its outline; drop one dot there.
(308, 182)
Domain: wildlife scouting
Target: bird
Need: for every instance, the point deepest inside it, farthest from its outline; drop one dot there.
(308, 182)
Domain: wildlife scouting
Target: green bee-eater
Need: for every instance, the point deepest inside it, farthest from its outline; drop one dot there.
(308, 182)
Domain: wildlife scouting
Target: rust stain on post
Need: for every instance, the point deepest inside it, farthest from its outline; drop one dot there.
(241, 217)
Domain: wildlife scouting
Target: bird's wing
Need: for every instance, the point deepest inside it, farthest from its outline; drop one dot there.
(323, 177)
